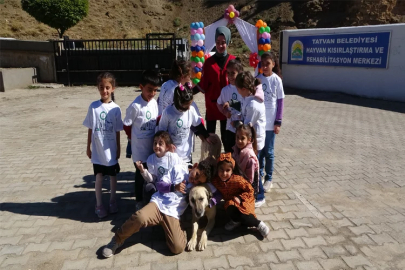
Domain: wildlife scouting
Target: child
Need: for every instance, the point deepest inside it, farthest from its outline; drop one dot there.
(158, 164)
(179, 74)
(244, 153)
(238, 196)
(178, 118)
(165, 208)
(229, 96)
(140, 124)
(274, 103)
(253, 113)
(104, 123)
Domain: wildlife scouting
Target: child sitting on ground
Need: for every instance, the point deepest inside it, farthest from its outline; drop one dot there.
(158, 164)
(165, 208)
(238, 195)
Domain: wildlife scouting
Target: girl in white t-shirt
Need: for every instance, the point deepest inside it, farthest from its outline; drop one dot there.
(274, 103)
(158, 164)
(253, 113)
(104, 124)
(179, 117)
(230, 103)
(179, 74)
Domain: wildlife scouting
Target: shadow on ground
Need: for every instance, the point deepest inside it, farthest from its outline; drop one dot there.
(336, 97)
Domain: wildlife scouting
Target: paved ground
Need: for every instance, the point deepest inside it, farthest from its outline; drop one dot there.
(337, 202)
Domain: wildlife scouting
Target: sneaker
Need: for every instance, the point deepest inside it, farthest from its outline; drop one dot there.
(113, 207)
(263, 229)
(267, 185)
(111, 247)
(231, 225)
(260, 203)
(100, 211)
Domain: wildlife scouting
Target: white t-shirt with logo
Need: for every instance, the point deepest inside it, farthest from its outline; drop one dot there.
(166, 95)
(158, 167)
(104, 119)
(227, 93)
(273, 90)
(142, 116)
(254, 112)
(178, 125)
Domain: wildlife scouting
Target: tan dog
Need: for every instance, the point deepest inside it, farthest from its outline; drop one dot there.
(199, 198)
(211, 150)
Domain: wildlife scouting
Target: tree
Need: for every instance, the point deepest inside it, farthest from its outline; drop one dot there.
(58, 14)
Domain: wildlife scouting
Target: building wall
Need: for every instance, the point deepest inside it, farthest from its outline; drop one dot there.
(369, 82)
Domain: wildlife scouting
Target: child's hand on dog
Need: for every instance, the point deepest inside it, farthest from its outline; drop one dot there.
(181, 187)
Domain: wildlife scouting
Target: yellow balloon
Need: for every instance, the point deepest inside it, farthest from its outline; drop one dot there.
(231, 15)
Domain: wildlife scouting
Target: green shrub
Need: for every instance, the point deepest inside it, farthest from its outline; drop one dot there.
(177, 22)
(58, 14)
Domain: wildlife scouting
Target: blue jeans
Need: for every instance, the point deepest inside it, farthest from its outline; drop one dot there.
(260, 194)
(266, 155)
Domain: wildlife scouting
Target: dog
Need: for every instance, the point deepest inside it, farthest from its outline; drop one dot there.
(211, 150)
(203, 219)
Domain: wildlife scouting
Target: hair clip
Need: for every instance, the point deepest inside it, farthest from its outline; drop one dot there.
(188, 85)
(181, 87)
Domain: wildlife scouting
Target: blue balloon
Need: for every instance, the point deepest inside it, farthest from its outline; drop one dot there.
(192, 48)
(260, 64)
(267, 41)
(192, 25)
(262, 41)
(203, 48)
(202, 36)
(201, 25)
(197, 37)
(197, 48)
(196, 70)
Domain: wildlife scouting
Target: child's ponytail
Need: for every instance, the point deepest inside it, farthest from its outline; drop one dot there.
(182, 94)
(246, 80)
(250, 132)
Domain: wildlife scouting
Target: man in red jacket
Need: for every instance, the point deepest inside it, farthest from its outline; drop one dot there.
(214, 79)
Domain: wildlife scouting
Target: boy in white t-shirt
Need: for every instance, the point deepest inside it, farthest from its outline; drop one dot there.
(230, 103)
(140, 124)
(103, 141)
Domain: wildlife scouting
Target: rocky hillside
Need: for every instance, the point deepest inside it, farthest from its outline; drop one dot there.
(135, 18)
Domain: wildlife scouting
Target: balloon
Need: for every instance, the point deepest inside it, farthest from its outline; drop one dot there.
(193, 43)
(192, 37)
(260, 70)
(262, 41)
(267, 40)
(266, 47)
(269, 47)
(192, 25)
(231, 8)
(200, 54)
(259, 23)
(260, 47)
(192, 48)
(200, 42)
(236, 13)
(196, 69)
(264, 35)
(206, 56)
(192, 31)
(231, 14)
(197, 48)
(201, 24)
(193, 64)
(199, 64)
(227, 15)
(197, 59)
(202, 60)
(264, 24)
(261, 30)
(192, 58)
(200, 31)
(195, 80)
(202, 36)
(203, 48)
(260, 64)
(194, 54)
(261, 52)
(197, 37)
(198, 75)
(267, 29)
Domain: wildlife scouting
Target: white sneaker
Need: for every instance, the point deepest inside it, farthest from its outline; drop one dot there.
(267, 186)
(263, 229)
(231, 225)
(260, 203)
(111, 247)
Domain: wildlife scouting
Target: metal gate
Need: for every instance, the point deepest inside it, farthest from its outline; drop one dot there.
(78, 62)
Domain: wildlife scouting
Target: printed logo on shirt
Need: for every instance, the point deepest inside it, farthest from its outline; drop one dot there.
(103, 115)
(234, 96)
(264, 87)
(161, 170)
(148, 115)
(179, 123)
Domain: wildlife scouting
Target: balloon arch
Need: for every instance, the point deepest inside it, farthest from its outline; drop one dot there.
(256, 37)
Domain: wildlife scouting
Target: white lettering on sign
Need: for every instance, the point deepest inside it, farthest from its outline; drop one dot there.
(323, 41)
(358, 40)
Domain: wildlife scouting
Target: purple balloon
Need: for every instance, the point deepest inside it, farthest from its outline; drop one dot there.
(200, 42)
(200, 31)
(193, 32)
(227, 16)
(236, 13)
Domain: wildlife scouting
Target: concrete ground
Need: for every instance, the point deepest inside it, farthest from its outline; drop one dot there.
(337, 201)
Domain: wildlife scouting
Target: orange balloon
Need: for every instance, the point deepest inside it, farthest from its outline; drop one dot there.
(264, 24)
(194, 54)
(266, 47)
(200, 54)
(198, 75)
(260, 70)
(260, 47)
(269, 47)
(259, 23)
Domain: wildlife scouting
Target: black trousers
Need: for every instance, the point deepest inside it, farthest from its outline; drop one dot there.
(247, 220)
(229, 141)
(212, 126)
(139, 182)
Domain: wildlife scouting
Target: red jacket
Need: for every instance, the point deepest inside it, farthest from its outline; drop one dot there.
(212, 82)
